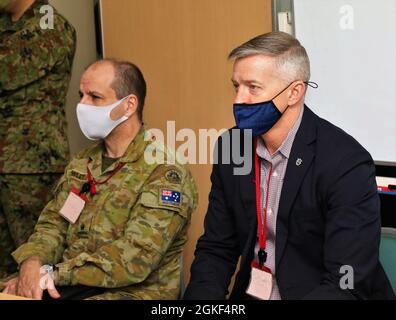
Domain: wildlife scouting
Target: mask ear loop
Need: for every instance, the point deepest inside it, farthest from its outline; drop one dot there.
(119, 102)
(312, 84)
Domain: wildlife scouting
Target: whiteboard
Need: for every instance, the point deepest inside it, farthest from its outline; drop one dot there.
(352, 48)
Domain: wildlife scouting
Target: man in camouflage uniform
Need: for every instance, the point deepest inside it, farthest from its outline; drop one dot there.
(130, 235)
(35, 67)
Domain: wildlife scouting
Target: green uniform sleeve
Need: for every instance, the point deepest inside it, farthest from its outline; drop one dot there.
(49, 237)
(30, 54)
(149, 233)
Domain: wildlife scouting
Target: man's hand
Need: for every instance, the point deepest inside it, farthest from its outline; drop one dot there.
(47, 282)
(29, 279)
(12, 286)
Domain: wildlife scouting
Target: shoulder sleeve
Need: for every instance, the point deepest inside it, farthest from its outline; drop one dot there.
(32, 53)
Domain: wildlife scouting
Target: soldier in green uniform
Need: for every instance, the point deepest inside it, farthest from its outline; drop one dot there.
(118, 221)
(35, 68)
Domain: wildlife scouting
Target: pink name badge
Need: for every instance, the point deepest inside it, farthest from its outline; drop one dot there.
(260, 285)
(73, 207)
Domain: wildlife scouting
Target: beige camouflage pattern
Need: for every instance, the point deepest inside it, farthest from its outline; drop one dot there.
(35, 68)
(126, 239)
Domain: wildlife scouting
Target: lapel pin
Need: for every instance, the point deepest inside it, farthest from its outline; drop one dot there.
(299, 162)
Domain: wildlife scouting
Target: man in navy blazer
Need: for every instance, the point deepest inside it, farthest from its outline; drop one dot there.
(311, 188)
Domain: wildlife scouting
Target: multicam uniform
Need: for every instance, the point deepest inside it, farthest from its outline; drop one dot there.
(35, 68)
(129, 236)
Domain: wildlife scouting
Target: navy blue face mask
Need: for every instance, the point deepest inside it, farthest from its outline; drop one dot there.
(259, 117)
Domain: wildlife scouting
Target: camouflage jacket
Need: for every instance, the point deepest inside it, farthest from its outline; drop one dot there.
(130, 236)
(35, 69)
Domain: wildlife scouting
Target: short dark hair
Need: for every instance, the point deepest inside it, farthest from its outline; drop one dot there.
(128, 79)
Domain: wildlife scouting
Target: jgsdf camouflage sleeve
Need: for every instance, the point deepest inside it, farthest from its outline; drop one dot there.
(31, 55)
(35, 70)
(49, 238)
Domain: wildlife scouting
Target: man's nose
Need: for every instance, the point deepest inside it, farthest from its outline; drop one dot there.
(85, 100)
(241, 96)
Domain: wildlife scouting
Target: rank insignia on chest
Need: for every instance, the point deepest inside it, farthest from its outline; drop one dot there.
(170, 197)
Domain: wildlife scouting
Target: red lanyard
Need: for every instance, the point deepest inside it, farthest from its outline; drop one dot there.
(93, 183)
(262, 231)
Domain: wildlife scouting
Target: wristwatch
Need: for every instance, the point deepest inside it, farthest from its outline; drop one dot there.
(50, 269)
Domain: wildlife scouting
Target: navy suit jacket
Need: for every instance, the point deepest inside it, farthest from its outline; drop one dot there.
(328, 217)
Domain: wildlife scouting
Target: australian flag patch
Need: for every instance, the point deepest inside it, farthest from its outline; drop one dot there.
(170, 197)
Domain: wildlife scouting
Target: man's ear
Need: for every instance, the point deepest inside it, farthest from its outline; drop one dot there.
(296, 93)
(132, 103)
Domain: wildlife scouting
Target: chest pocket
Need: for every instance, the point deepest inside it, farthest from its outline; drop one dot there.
(79, 230)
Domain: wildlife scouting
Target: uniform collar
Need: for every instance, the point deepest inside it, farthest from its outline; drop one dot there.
(133, 153)
(136, 148)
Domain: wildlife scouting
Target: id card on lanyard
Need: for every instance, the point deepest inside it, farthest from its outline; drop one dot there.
(261, 278)
(75, 202)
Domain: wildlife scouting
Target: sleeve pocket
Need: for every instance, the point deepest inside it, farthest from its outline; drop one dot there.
(152, 200)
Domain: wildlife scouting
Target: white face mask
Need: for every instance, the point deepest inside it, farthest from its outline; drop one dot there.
(95, 122)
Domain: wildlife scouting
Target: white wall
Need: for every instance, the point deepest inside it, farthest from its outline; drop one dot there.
(80, 13)
(352, 47)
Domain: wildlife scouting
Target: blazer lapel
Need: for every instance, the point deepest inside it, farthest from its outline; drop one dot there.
(247, 194)
(300, 160)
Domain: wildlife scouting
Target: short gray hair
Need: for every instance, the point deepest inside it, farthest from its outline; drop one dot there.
(291, 58)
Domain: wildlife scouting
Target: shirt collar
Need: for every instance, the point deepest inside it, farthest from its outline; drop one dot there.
(287, 144)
